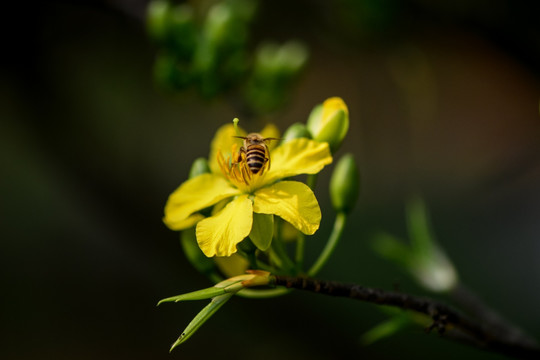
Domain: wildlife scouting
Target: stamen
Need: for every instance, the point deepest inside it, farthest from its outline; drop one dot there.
(222, 164)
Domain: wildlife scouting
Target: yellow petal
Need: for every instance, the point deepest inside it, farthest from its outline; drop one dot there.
(194, 195)
(224, 139)
(291, 200)
(298, 156)
(219, 234)
(184, 224)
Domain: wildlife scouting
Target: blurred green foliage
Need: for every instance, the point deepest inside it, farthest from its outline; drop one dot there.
(208, 48)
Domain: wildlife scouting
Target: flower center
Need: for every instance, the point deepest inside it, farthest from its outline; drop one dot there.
(237, 170)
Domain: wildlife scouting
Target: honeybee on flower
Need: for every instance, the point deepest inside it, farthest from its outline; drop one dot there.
(248, 200)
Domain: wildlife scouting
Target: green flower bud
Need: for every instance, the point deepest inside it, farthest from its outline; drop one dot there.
(275, 68)
(182, 33)
(200, 166)
(291, 57)
(295, 131)
(329, 122)
(219, 25)
(171, 74)
(345, 184)
(157, 19)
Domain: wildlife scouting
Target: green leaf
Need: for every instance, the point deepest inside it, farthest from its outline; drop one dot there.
(262, 230)
(392, 248)
(196, 295)
(201, 318)
(418, 226)
(385, 329)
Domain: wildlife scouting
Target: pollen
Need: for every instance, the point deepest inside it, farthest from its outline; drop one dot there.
(236, 169)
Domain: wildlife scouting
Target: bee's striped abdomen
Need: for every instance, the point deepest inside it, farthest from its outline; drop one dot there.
(256, 157)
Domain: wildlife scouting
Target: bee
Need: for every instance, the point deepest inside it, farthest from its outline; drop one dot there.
(255, 151)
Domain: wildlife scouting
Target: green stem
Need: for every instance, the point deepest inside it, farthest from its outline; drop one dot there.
(335, 236)
(299, 258)
(311, 181)
(278, 249)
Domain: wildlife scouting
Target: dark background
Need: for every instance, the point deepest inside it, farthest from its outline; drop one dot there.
(443, 98)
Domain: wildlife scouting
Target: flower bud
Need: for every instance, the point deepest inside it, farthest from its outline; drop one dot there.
(295, 131)
(345, 184)
(182, 33)
(329, 122)
(199, 167)
(218, 24)
(434, 271)
(156, 22)
(275, 68)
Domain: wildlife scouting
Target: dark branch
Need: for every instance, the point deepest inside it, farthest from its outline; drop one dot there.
(443, 316)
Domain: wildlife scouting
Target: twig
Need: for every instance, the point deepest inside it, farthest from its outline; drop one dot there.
(444, 317)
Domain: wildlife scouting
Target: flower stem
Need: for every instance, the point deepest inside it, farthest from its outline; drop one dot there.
(278, 248)
(335, 236)
(311, 181)
(450, 323)
(299, 258)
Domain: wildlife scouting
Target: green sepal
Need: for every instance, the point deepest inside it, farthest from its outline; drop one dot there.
(314, 120)
(205, 314)
(335, 130)
(196, 295)
(262, 230)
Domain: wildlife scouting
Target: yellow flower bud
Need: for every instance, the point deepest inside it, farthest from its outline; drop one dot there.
(329, 122)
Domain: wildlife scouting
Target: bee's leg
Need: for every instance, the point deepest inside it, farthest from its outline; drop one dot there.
(266, 165)
(241, 156)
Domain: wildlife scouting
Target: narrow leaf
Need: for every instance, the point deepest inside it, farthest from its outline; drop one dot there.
(385, 329)
(391, 248)
(419, 227)
(195, 295)
(201, 318)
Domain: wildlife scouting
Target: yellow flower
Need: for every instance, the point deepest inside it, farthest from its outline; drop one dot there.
(244, 202)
